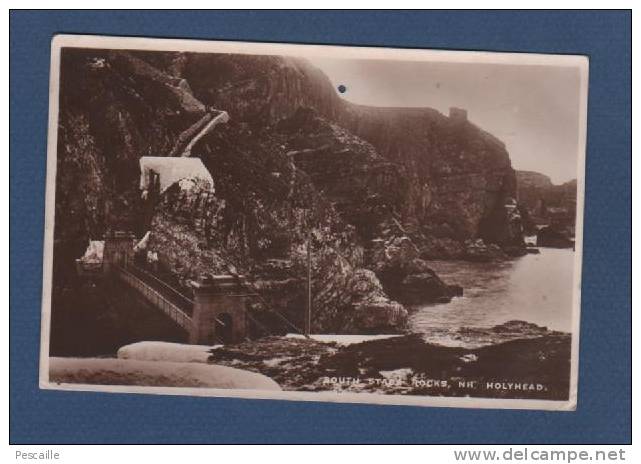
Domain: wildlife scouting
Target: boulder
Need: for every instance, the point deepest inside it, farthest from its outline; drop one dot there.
(406, 277)
(373, 311)
(380, 315)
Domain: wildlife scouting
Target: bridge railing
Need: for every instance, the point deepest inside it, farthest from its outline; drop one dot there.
(185, 303)
(156, 298)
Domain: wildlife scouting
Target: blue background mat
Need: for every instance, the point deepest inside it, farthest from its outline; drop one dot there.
(604, 410)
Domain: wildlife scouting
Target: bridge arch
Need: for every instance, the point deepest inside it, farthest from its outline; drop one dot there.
(219, 310)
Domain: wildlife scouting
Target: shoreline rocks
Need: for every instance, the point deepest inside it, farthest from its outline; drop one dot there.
(476, 337)
(552, 238)
(409, 365)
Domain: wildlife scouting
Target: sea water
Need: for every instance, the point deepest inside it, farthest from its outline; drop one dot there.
(535, 288)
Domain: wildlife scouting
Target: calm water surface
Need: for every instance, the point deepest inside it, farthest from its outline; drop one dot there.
(533, 288)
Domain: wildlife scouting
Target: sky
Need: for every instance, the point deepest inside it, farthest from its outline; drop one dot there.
(533, 109)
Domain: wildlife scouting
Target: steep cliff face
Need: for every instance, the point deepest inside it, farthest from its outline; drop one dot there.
(458, 175)
(443, 177)
(368, 184)
(114, 108)
(255, 89)
(449, 178)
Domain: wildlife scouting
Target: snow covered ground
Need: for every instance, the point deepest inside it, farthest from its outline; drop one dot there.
(111, 371)
(343, 339)
(165, 351)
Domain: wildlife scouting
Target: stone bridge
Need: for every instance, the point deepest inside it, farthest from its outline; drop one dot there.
(216, 315)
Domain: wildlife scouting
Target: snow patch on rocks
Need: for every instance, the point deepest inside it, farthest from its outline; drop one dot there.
(402, 373)
(111, 371)
(343, 340)
(94, 252)
(276, 361)
(165, 351)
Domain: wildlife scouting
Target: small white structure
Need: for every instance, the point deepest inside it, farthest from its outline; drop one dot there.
(94, 252)
(170, 170)
(91, 262)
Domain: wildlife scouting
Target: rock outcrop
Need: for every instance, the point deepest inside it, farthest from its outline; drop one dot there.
(346, 296)
(458, 176)
(407, 277)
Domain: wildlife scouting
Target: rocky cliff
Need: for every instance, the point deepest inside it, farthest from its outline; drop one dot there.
(450, 178)
(545, 203)
(377, 189)
(534, 187)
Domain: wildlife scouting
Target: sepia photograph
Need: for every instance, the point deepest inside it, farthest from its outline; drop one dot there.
(314, 223)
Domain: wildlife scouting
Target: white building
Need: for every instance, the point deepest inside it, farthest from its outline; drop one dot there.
(170, 170)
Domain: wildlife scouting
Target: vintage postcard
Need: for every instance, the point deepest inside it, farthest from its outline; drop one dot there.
(315, 223)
